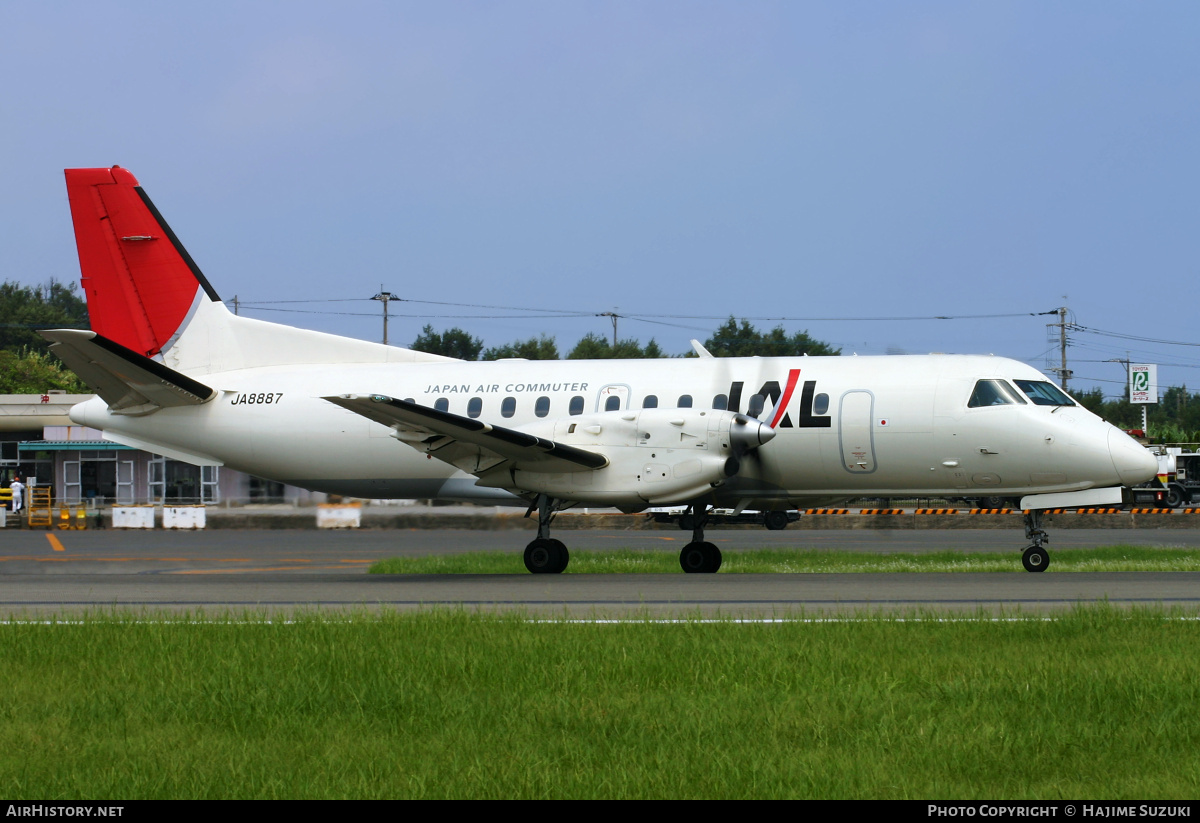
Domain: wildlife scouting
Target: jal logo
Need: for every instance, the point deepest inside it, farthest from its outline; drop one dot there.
(780, 398)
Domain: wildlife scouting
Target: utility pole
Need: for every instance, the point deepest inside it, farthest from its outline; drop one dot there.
(1124, 363)
(235, 304)
(384, 297)
(614, 317)
(1064, 374)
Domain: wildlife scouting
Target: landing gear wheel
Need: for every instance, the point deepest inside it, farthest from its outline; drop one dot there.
(564, 556)
(1035, 559)
(775, 520)
(700, 558)
(546, 555)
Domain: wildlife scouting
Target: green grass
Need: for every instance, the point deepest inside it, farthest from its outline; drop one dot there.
(1098, 704)
(808, 561)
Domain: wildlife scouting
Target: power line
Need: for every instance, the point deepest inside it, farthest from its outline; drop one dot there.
(1172, 365)
(648, 316)
(393, 298)
(847, 319)
(1121, 336)
(424, 314)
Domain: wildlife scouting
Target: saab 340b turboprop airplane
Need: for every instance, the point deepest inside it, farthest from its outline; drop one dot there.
(177, 374)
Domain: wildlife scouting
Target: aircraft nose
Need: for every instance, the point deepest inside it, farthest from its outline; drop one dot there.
(1133, 462)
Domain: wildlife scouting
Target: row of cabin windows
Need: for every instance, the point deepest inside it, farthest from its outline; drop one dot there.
(650, 401)
(541, 407)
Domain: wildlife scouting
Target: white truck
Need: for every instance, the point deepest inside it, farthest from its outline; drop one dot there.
(1178, 481)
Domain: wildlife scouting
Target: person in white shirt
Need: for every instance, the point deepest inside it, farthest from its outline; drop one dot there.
(18, 494)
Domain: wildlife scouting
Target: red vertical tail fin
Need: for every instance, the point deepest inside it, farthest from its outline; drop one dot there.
(141, 284)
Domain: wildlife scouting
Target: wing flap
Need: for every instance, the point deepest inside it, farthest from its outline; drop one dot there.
(467, 443)
(129, 382)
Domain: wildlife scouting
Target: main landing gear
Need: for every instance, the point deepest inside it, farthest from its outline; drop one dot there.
(1035, 558)
(699, 557)
(545, 555)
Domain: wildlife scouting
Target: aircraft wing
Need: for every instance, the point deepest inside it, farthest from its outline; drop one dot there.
(129, 382)
(468, 444)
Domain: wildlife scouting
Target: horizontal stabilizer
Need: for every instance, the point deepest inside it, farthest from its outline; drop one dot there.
(155, 447)
(129, 382)
(468, 444)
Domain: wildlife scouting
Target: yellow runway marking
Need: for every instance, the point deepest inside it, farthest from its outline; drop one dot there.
(55, 543)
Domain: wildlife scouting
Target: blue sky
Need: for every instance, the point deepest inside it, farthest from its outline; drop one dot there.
(674, 160)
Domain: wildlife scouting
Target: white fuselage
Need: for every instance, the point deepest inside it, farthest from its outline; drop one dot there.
(866, 427)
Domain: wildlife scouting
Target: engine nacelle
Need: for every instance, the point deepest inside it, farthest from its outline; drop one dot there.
(655, 456)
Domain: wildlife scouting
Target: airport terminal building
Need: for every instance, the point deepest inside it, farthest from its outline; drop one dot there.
(39, 443)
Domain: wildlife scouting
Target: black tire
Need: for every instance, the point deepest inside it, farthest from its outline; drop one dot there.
(687, 522)
(545, 556)
(775, 520)
(564, 556)
(1175, 497)
(1035, 559)
(700, 558)
(992, 502)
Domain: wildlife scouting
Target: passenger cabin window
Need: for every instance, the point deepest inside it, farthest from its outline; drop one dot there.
(612, 403)
(508, 407)
(720, 402)
(993, 393)
(474, 406)
(757, 402)
(1043, 393)
(441, 404)
(576, 404)
(542, 407)
(650, 401)
(821, 403)
(685, 402)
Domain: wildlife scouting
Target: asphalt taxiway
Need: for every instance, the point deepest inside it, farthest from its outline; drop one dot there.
(43, 573)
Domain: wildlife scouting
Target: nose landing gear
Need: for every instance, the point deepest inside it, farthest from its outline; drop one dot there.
(1035, 558)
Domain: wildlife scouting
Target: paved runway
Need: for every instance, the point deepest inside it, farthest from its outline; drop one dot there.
(269, 571)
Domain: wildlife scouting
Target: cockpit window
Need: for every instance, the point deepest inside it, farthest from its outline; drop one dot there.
(993, 393)
(1043, 393)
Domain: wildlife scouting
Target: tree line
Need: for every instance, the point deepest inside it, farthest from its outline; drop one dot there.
(1174, 419)
(26, 365)
(732, 339)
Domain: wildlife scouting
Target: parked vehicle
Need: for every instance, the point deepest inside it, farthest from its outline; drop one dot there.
(1178, 480)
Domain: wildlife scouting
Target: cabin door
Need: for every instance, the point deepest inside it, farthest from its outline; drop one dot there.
(855, 431)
